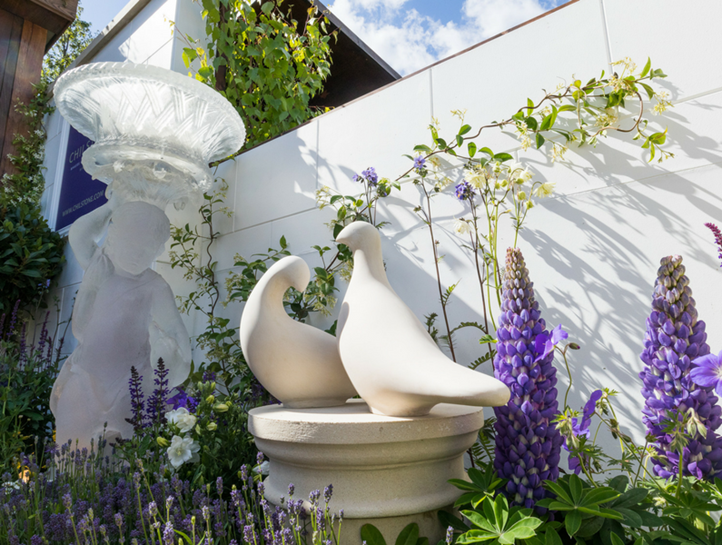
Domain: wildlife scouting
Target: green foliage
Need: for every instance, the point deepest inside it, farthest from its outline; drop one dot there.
(31, 254)
(496, 523)
(29, 364)
(70, 44)
(262, 62)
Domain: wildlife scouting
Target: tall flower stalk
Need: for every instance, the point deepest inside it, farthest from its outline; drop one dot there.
(528, 444)
(674, 338)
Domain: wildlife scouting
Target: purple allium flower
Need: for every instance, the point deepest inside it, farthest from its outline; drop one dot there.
(708, 372)
(371, 177)
(419, 163)
(717, 238)
(463, 191)
(545, 343)
(674, 338)
(527, 442)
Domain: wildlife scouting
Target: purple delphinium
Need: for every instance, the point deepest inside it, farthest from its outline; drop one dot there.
(717, 239)
(674, 338)
(463, 191)
(528, 444)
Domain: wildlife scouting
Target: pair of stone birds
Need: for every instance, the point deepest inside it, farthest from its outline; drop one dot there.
(382, 352)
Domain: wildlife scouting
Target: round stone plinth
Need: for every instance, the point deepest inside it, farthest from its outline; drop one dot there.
(388, 471)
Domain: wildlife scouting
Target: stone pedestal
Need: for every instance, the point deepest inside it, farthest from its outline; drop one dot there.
(388, 471)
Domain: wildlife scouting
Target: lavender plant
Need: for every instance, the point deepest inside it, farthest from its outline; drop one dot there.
(84, 498)
(527, 441)
(674, 338)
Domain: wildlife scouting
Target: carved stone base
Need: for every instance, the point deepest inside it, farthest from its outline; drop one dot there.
(388, 471)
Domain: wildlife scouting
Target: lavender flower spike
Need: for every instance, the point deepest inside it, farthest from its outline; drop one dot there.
(674, 338)
(528, 444)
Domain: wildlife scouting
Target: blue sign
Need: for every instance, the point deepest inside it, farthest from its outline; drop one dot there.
(79, 193)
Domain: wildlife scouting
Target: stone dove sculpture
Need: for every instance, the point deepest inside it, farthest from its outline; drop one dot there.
(389, 356)
(295, 362)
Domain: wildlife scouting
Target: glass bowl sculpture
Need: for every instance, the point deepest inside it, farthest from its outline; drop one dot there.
(155, 130)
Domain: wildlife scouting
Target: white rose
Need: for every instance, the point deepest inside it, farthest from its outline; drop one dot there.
(182, 418)
(182, 450)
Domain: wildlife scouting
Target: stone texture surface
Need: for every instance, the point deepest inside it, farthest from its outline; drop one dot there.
(295, 362)
(390, 469)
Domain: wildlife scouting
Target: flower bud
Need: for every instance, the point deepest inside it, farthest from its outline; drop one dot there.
(221, 408)
(574, 346)
(210, 399)
(211, 426)
(162, 442)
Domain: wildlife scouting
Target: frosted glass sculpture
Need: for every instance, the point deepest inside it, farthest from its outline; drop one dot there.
(155, 132)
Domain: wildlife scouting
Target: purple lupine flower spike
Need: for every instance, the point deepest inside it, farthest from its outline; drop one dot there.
(528, 444)
(717, 239)
(674, 339)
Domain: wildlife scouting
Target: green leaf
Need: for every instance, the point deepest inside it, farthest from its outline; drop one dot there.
(372, 535)
(572, 522)
(646, 68)
(472, 149)
(422, 148)
(532, 123)
(463, 484)
(459, 140)
(552, 537)
(502, 156)
(576, 487)
(539, 140)
(631, 518)
(267, 7)
(530, 107)
(600, 495)
(619, 483)
(465, 129)
(648, 89)
(409, 534)
(488, 152)
(615, 538)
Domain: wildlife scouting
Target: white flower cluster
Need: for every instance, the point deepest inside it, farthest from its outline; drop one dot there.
(182, 449)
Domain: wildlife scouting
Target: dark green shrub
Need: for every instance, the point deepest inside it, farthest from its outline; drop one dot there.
(31, 254)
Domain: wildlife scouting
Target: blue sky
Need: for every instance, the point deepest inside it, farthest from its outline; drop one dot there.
(408, 34)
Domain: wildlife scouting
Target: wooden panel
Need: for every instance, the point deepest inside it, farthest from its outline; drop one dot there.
(53, 15)
(10, 61)
(27, 73)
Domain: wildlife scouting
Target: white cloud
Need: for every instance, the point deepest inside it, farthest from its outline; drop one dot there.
(409, 40)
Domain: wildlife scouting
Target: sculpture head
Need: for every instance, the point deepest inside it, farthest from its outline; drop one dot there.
(360, 235)
(136, 236)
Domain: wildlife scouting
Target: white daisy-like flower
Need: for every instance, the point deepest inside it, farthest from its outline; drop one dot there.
(182, 418)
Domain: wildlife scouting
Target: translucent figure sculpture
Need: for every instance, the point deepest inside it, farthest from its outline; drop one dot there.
(155, 132)
(125, 315)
